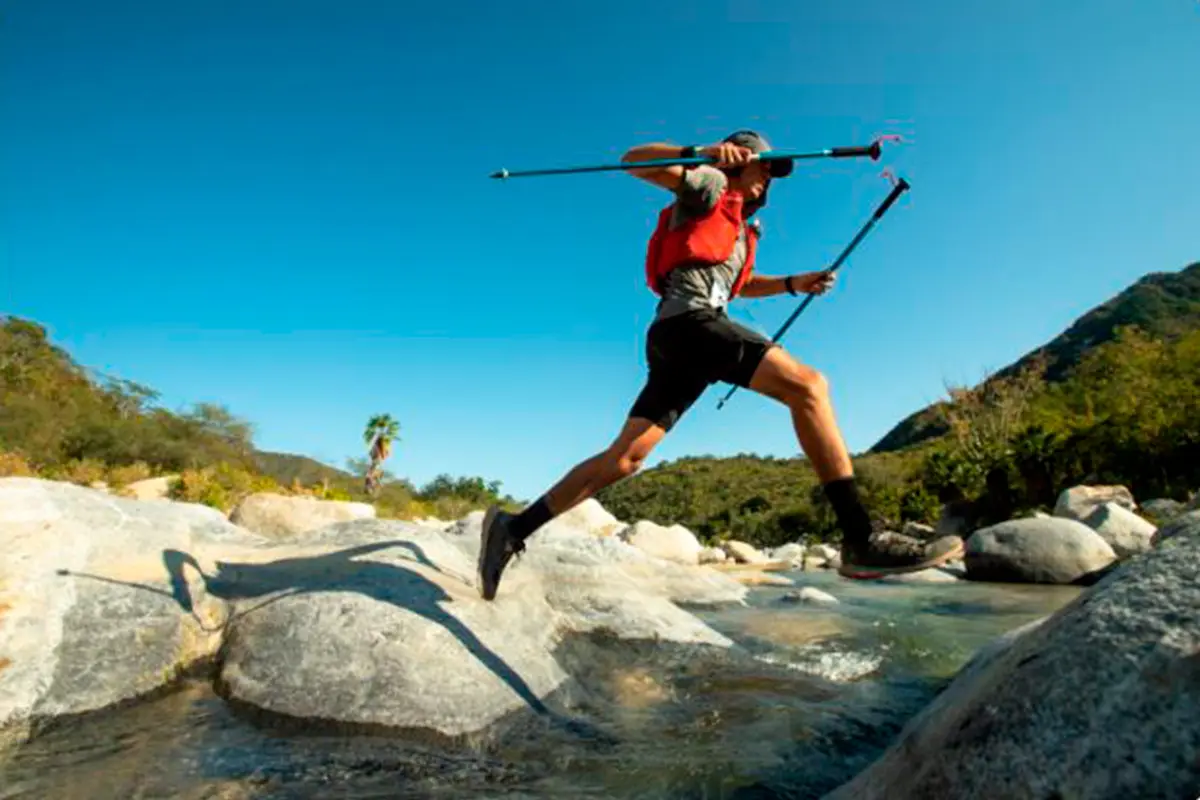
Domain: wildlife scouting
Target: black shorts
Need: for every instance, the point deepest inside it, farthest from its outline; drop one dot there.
(687, 353)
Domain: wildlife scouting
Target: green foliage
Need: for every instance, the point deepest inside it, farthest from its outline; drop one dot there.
(54, 413)
(765, 501)
(1164, 305)
(1128, 413)
(14, 465)
(221, 485)
(83, 471)
(60, 421)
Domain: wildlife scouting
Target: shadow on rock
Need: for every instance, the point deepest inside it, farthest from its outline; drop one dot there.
(339, 571)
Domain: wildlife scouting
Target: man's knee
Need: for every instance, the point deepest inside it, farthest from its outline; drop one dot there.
(621, 464)
(806, 385)
(626, 465)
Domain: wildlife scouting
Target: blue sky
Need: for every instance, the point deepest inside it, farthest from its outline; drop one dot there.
(284, 206)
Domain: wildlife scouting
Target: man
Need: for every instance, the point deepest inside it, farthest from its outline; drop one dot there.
(700, 257)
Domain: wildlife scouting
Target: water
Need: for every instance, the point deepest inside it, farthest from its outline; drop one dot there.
(809, 697)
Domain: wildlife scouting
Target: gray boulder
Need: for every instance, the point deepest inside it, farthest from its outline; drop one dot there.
(362, 622)
(88, 613)
(1036, 551)
(1126, 532)
(1164, 509)
(1101, 700)
(1179, 525)
(388, 629)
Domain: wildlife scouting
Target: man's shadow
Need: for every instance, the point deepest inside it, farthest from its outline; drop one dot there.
(338, 571)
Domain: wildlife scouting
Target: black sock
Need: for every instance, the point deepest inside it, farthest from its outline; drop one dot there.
(851, 514)
(528, 521)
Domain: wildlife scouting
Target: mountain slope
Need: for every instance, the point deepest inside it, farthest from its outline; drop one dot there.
(287, 467)
(1163, 304)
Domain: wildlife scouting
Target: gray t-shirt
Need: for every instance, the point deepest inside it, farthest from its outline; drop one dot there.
(701, 286)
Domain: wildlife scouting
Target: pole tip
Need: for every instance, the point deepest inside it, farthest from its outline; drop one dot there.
(502, 174)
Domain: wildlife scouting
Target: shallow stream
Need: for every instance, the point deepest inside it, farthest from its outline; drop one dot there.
(810, 695)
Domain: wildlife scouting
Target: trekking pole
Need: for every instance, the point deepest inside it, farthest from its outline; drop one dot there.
(900, 188)
(871, 151)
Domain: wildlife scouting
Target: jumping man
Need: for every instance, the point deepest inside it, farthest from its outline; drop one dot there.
(701, 256)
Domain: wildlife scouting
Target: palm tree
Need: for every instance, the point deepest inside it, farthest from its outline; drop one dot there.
(381, 431)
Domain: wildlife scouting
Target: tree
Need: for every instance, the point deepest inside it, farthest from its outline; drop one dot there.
(381, 431)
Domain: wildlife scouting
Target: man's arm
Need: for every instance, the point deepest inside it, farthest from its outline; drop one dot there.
(804, 283)
(726, 153)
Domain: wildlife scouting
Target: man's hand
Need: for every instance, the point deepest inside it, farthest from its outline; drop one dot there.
(728, 154)
(813, 282)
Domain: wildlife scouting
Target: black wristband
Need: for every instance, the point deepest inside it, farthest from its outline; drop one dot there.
(691, 151)
(787, 284)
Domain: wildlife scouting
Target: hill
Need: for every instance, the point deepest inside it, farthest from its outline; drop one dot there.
(287, 468)
(61, 420)
(1162, 304)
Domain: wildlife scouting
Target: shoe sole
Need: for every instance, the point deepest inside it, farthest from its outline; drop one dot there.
(488, 518)
(860, 573)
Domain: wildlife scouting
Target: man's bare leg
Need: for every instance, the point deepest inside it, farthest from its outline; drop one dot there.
(806, 393)
(618, 461)
(503, 536)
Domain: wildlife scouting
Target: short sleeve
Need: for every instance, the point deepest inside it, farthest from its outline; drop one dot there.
(701, 189)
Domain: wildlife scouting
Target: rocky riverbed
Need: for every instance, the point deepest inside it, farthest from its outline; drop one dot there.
(151, 648)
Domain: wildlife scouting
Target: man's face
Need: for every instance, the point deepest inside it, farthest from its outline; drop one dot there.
(754, 179)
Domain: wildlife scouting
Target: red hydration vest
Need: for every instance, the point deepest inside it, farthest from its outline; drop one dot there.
(709, 239)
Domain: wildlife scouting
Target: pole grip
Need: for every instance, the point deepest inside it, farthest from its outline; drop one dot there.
(900, 188)
(873, 150)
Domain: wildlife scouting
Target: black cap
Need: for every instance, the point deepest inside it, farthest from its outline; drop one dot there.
(779, 168)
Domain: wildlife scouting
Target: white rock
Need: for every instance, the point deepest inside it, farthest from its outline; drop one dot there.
(1079, 502)
(793, 552)
(933, 575)
(588, 516)
(743, 553)
(825, 551)
(1126, 532)
(675, 543)
(280, 515)
(919, 530)
(149, 489)
(812, 596)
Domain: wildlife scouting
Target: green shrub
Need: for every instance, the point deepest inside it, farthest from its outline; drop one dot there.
(14, 465)
(221, 486)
